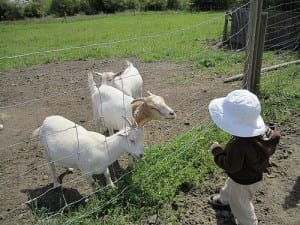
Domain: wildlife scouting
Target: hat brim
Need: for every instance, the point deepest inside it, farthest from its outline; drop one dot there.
(228, 123)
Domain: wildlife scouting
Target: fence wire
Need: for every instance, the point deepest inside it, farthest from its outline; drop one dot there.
(10, 180)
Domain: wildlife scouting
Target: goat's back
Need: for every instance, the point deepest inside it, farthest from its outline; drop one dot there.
(112, 105)
(130, 82)
(65, 142)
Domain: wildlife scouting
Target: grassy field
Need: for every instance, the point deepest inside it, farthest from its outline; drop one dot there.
(148, 36)
(180, 37)
(167, 36)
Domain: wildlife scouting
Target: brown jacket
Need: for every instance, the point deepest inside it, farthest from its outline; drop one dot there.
(245, 159)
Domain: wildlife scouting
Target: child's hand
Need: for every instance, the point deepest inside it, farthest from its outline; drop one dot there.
(214, 145)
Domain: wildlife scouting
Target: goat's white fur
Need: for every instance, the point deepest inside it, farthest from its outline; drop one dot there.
(72, 146)
(112, 106)
(128, 81)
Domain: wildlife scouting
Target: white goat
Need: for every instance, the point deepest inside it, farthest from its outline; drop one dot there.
(72, 146)
(128, 81)
(112, 105)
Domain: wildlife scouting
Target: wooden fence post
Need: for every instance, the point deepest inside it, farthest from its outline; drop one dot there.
(252, 46)
(225, 31)
(260, 51)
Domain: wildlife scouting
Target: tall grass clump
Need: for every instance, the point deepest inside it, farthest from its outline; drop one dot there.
(280, 94)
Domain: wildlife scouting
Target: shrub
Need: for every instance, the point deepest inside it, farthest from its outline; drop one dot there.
(90, 7)
(3, 9)
(34, 8)
(154, 5)
(112, 6)
(178, 4)
(14, 11)
(65, 7)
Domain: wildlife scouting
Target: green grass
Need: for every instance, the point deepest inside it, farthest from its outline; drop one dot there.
(148, 36)
(280, 93)
(168, 36)
(184, 161)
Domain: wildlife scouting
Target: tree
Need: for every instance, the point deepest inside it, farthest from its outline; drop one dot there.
(65, 7)
(34, 8)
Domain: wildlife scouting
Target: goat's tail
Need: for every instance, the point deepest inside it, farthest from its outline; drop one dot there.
(92, 84)
(36, 132)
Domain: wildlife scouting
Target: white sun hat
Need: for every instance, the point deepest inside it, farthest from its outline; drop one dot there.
(238, 114)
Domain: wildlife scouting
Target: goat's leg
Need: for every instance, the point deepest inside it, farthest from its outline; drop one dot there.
(97, 123)
(53, 173)
(110, 131)
(96, 118)
(69, 170)
(108, 178)
(91, 181)
(52, 167)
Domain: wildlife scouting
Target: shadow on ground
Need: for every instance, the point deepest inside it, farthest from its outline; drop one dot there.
(292, 200)
(224, 216)
(54, 199)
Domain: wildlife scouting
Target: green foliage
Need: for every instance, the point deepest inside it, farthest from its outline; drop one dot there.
(34, 8)
(178, 165)
(11, 10)
(65, 7)
(155, 5)
(91, 6)
(112, 6)
(178, 4)
(4, 5)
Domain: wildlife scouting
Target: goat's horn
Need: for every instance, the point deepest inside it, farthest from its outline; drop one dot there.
(149, 93)
(99, 74)
(135, 124)
(130, 123)
(118, 74)
(128, 63)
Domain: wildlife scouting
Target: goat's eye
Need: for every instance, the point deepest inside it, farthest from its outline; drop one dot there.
(132, 141)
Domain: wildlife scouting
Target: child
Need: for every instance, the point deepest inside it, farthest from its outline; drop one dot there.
(246, 156)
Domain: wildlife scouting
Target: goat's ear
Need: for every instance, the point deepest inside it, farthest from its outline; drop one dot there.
(99, 74)
(123, 134)
(138, 100)
(118, 74)
(125, 118)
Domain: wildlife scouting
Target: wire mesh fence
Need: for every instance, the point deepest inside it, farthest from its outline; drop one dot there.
(33, 93)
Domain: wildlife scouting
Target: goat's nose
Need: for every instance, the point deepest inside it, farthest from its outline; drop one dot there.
(141, 155)
(172, 113)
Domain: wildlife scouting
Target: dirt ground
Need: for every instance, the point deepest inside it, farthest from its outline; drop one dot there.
(28, 95)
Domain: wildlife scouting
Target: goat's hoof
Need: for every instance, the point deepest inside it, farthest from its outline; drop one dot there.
(70, 170)
(57, 185)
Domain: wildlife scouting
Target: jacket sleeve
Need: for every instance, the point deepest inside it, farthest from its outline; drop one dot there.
(230, 159)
